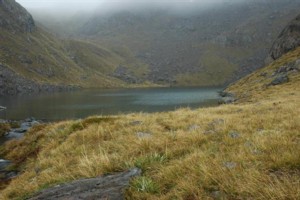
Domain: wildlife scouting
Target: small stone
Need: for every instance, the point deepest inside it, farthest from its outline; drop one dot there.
(143, 135)
(234, 134)
(248, 144)
(264, 74)
(194, 127)
(230, 165)
(209, 132)
(217, 195)
(218, 121)
(280, 80)
(135, 123)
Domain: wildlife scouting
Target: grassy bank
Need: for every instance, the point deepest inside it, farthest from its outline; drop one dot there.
(248, 150)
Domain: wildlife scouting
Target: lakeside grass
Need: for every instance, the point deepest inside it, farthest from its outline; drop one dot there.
(247, 150)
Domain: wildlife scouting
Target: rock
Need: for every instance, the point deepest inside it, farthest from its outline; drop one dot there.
(288, 40)
(193, 127)
(218, 195)
(143, 135)
(217, 122)
(214, 126)
(230, 165)
(226, 94)
(6, 175)
(234, 134)
(227, 98)
(12, 84)
(105, 187)
(135, 123)
(15, 17)
(280, 79)
(17, 133)
(209, 132)
(264, 74)
(4, 164)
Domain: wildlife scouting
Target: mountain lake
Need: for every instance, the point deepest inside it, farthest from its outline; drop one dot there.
(84, 103)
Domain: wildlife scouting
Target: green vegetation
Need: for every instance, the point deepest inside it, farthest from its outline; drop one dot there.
(246, 150)
(41, 57)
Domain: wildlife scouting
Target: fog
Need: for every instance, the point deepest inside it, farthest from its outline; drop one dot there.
(106, 6)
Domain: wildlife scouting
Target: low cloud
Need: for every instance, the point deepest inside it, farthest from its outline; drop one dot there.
(113, 5)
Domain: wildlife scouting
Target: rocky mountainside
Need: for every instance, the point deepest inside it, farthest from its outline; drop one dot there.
(282, 72)
(288, 40)
(210, 47)
(14, 17)
(33, 60)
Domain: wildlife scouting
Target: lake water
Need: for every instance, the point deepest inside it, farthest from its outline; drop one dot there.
(80, 104)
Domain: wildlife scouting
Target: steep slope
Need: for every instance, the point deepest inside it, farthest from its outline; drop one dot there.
(281, 76)
(247, 150)
(210, 47)
(33, 60)
(15, 18)
(288, 40)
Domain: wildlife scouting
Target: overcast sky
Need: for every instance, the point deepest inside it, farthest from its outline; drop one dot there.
(92, 4)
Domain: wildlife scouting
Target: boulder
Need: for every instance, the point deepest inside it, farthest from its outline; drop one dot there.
(280, 79)
(288, 40)
(104, 187)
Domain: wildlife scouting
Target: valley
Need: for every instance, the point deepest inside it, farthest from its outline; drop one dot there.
(246, 147)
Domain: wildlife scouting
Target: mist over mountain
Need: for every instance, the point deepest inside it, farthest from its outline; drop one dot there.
(120, 43)
(180, 42)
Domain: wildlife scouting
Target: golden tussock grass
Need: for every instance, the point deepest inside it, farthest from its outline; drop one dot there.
(248, 150)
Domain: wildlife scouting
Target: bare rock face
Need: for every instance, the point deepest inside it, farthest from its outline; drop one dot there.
(288, 40)
(12, 84)
(105, 187)
(14, 17)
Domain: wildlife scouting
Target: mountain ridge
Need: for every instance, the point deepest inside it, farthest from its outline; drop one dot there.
(212, 47)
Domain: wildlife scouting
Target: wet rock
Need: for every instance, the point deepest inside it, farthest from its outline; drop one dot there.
(4, 164)
(106, 187)
(225, 94)
(227, 98)
(17, 133)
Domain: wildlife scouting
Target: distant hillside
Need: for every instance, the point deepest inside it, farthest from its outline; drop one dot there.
(210, 47)
(281, 76)
(33, 60)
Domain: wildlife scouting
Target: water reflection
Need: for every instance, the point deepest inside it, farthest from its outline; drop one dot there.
(84, 103)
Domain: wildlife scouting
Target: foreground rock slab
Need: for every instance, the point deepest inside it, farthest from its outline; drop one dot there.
(106, 187)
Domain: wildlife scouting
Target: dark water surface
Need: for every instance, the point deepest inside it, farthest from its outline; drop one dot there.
(80, 104)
